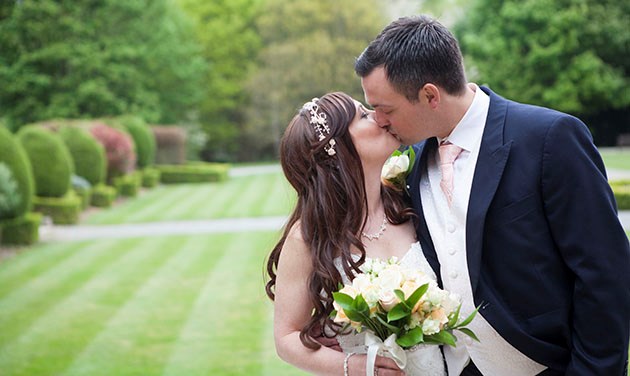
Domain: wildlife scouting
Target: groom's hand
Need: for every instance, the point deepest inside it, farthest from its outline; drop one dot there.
(317, 334)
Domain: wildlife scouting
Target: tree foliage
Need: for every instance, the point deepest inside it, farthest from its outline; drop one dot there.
(572, 55)
(309, 50)
(81, 58)
(225, 29)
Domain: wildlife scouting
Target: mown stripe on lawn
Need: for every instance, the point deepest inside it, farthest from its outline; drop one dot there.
(193, 200)
(247, 197)
(221, 336)
(51, 343)
(138, 339)
(32, 262)
(27, 303)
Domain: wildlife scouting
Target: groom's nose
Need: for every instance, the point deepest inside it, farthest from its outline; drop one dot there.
(381, 119)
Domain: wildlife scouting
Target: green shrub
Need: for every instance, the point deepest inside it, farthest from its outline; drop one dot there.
(621, 189)
(103, 196)
(88, 154)
(13, 155)
(22, 230)
(193, 173)
(143, 138)
(150, 177)
(9, 195)
(50, 158)
(62, 210)
(128, 185)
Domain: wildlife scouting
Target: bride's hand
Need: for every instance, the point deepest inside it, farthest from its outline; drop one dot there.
(382, 367)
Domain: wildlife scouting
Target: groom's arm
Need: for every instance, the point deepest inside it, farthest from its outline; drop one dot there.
(582, 214)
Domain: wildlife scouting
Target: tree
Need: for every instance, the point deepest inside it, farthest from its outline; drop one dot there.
(225, 29)
(309, 51)
(572, 55)
(83, 58)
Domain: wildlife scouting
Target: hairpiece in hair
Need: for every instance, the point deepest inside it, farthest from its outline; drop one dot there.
(320, 124)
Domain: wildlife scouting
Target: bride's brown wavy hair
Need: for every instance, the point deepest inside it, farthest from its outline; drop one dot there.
(331, 204)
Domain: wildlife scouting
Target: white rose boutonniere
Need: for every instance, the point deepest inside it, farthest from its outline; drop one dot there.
(398, 166)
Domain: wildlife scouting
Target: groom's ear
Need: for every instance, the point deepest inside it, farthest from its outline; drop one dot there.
(430, 94)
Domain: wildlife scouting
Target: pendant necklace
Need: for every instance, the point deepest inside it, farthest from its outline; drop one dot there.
(378, 234)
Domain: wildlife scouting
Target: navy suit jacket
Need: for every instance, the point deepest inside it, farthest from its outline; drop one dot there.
(548, 259)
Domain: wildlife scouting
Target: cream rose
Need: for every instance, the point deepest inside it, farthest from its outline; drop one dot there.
(394, 167)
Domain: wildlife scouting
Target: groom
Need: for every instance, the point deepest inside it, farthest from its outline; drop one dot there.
(527, 229)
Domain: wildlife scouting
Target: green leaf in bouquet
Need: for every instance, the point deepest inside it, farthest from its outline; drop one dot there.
(390, 327)
(416, 295)
(411, 338)
(396, 153)
(399, 311)
(412, 157)
(469, 333)
(344, 300)
(443, 336)
(468, 319)
(360, 305)
(453, 317)
(400, 294)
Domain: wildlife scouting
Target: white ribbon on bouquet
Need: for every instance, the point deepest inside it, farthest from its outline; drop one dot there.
(376, 346)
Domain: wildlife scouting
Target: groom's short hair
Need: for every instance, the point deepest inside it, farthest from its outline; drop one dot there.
(415, 51)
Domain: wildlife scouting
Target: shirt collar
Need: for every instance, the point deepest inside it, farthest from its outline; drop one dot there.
(470, 128)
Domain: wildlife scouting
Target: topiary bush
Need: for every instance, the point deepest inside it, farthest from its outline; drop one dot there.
(621, 189)
(119, 149)
(87, 153)
(12, 154)
(51, 161)
(23, 230)
(103, 196)
(62, 210)
(128, 185)
(143, 139)
(150, 177)
(199, 172)
(9, 194)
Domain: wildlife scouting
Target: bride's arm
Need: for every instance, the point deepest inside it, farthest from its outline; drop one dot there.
(292, 310)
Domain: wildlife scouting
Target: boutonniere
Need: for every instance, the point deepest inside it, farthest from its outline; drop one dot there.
(397, 168)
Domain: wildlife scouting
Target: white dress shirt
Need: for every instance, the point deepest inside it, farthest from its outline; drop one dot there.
(493, 355)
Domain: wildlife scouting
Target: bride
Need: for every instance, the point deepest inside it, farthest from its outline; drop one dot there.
(332, 153)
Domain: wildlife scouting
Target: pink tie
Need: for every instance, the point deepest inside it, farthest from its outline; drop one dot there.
(448, 154)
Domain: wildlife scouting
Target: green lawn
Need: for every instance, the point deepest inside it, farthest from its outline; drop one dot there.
(173, 305)
(250, 196)
(617, 158)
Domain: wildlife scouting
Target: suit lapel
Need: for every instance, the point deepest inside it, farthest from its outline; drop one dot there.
(493, 155)
(422, 150)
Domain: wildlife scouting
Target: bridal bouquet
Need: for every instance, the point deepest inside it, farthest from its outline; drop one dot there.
(399, 308)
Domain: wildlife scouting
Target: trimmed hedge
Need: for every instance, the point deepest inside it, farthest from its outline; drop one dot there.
(143, 138)
(128, 185)
(621, 189)
(103, 196)
(22, 230)
(170, 144)
(88, 154)
(13, 155)
(193, 173)
(150, 177)
(62, 210)
(50, 158)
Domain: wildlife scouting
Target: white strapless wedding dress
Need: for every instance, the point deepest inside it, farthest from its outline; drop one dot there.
(422, 360)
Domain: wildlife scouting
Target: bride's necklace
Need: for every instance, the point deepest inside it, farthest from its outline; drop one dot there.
(378, 234)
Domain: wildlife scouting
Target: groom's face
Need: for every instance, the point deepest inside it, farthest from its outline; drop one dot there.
(410, 122)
